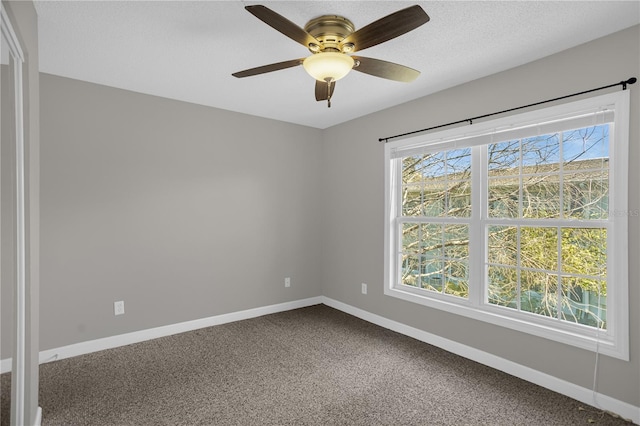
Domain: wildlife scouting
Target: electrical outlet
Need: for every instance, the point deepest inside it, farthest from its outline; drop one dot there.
(287, 282)
(364, 288)
(118, 308)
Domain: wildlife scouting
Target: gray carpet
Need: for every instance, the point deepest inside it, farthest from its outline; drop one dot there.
(310, 366)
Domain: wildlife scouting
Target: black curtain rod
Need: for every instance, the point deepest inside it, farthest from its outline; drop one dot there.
(470, 120)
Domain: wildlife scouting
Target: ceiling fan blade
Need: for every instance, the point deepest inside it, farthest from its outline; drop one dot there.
(324, 90)
(384, 29)
(384, 69)
(282, 24)
(268, 68)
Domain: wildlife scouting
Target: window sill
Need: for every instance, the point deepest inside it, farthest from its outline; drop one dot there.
(570, 334)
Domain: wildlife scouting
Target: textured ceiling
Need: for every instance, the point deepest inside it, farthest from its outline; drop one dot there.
(187, 50)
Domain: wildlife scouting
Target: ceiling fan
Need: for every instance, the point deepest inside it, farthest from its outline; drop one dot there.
(331, 39)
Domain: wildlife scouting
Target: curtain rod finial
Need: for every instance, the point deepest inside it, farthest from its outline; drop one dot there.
(630, 81)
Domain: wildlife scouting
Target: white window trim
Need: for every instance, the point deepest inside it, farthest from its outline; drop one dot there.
(612, 342)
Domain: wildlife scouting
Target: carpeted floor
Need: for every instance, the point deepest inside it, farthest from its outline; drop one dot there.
(310, 366)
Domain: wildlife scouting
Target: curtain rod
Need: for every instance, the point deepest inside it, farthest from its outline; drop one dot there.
(632, 80)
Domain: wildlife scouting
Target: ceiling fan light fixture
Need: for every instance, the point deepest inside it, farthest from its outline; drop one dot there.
(328, 65)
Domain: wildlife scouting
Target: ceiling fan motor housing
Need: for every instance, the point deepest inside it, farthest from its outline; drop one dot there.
(330, 31)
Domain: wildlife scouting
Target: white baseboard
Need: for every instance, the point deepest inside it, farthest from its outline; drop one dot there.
(38, 420)
(584, 395)
(154, 333)
(6, 365)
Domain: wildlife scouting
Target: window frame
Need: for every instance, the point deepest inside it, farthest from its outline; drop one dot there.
(614, 341)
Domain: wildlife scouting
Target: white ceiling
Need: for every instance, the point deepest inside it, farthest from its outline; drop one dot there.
(187, 50)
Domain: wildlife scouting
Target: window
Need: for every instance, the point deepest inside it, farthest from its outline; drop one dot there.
(520, 221)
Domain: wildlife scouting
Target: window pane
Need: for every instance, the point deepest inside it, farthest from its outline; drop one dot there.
(417, 168)
(584, 302)
(585, 144)
(410, 270)
(412, 199)
(457, 279)
(584, 251)
(503, 286)
(435, 257)
(539, 293)
(411, 169)
(504, 158)
(586, 195)
(541, 196)
(539, 248)
(434, 198)
(432, 240)
(502, 245)
(425, 239)
(423, 188)
(432, 166)
(410, 237)
(503, 197)
(432, 275)
(456, 240)
(459, 199)
(541, 154)
(437, 184)
(459, 163)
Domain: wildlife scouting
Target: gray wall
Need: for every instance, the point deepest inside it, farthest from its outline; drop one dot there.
(354, 218)
(181, 211)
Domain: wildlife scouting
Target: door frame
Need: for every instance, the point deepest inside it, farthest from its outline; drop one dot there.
(18, 385)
